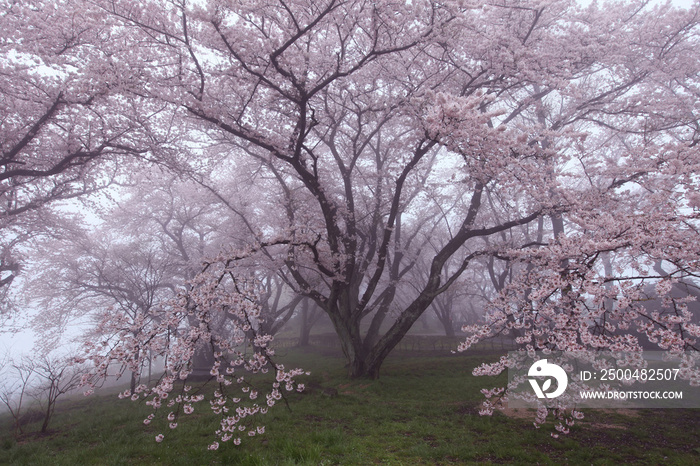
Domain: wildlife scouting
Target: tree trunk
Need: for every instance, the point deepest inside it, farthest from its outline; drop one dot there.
(443, 311)
(449, 328)
(352, 345)
(304, 334)
(367, 363)
(45, 424)
(306, 324)
(50, 403)
(202, 362)
(134, 377)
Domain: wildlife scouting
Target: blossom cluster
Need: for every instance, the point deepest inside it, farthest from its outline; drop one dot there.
(624, 289)
(219, 313)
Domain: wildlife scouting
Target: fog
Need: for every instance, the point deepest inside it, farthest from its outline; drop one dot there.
(191, 190)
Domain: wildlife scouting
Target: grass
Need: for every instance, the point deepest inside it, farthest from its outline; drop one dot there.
(422, 410)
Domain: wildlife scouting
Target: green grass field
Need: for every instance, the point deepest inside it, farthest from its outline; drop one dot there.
(422, 410)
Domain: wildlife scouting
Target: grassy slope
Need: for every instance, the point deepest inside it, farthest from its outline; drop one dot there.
(423, 410)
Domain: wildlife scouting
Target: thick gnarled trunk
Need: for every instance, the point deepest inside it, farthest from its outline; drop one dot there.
(365, 360)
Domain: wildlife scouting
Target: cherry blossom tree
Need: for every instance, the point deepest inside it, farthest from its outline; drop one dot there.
(344, 122)
(146, 247)
(99, 275)
(192, 221)
(629, 201)
(137, 284)
(67, 128)
(549, 111)
(239, 350)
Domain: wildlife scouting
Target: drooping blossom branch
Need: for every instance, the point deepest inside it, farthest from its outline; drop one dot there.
(220, 312)
(569, 298)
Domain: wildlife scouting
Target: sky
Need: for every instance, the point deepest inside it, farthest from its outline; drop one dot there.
(681, 3)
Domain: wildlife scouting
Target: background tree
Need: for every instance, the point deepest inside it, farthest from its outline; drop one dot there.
(309, 315)
(274, 315)
(100, 275)
(67, 128)
(58, 376)
(18, 379)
